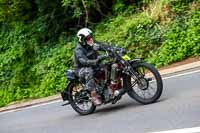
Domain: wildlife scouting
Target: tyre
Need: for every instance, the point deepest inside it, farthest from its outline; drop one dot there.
(80, 99)
(149, 86)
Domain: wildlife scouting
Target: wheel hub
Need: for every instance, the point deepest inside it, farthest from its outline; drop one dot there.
(143, 84)
(81, 97)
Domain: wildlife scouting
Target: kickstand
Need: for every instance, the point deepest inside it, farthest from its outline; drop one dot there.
(65, 104)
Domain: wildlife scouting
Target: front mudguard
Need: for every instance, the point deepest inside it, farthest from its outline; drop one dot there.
(135, 61)
(65, 94)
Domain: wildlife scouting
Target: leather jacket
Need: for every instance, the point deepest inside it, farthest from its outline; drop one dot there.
(87, 56)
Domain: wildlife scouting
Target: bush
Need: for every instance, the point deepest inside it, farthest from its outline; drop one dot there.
(34, 54)
(137, 33)
(30, 69)
(180, 41)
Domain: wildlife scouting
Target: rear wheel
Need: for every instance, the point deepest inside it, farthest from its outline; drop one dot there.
(149, 86)
(80, 99)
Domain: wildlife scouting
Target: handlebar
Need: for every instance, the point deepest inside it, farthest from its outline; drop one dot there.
(111, 51)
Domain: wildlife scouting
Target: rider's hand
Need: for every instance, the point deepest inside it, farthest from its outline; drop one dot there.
(120, 51)
(123, 50)
(101, 57)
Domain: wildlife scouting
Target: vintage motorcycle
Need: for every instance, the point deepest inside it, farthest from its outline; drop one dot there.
(120, 75)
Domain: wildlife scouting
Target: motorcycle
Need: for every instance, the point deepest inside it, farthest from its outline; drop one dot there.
(120, 75)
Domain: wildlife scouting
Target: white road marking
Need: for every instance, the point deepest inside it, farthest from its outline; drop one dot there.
(183, 74)
(184, 130)
(38, 105)
(33, 106)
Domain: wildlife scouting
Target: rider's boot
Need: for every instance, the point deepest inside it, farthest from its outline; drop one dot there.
(96, 99)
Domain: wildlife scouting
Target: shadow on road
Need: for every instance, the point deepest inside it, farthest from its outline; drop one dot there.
(124, 105)
(117, 107)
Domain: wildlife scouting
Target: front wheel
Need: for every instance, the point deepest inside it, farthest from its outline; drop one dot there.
(148, 88)
(80, 99)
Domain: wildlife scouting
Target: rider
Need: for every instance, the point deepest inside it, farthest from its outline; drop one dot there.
(85, 60)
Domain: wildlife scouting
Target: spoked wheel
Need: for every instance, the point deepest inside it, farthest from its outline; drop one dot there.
(149, 86)
(80, 99)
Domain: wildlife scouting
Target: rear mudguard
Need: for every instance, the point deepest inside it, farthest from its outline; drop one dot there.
(65, 93)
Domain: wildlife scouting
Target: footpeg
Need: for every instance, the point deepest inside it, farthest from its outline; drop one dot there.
(119, 92)
(118, 95)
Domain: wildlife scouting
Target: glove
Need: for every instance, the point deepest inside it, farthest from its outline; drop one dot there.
(120, 51)
(101, 57)
(123, 50)
(96, 46)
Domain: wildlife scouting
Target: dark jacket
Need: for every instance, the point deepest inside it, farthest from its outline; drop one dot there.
(87, 56)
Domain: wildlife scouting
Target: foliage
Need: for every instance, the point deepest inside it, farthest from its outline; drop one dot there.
(30, 70)
(37, 38)
(181, 40)
(137, 33)
(13, 10)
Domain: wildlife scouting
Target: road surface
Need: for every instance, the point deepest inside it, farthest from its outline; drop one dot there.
(178, 107)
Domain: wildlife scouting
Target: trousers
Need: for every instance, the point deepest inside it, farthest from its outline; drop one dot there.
(87, 73)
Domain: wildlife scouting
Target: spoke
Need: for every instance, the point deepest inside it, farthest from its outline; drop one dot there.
(81, 99)
(84, 107)
(138, 91)
(141, 71)
(133, 84)
(152, 81)
(149, 93)
(83, 103)
(143, 93)
(153, 88)
(81, 106)
(87, 105)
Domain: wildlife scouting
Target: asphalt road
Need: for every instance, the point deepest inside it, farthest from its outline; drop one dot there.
(178, 107)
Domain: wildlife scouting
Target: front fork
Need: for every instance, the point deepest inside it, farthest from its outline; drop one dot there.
(137, 78)
(131, 73)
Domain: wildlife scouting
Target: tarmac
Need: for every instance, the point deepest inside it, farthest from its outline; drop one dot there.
(166, 72)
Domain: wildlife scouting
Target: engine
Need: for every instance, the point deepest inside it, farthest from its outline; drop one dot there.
(112, 73)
